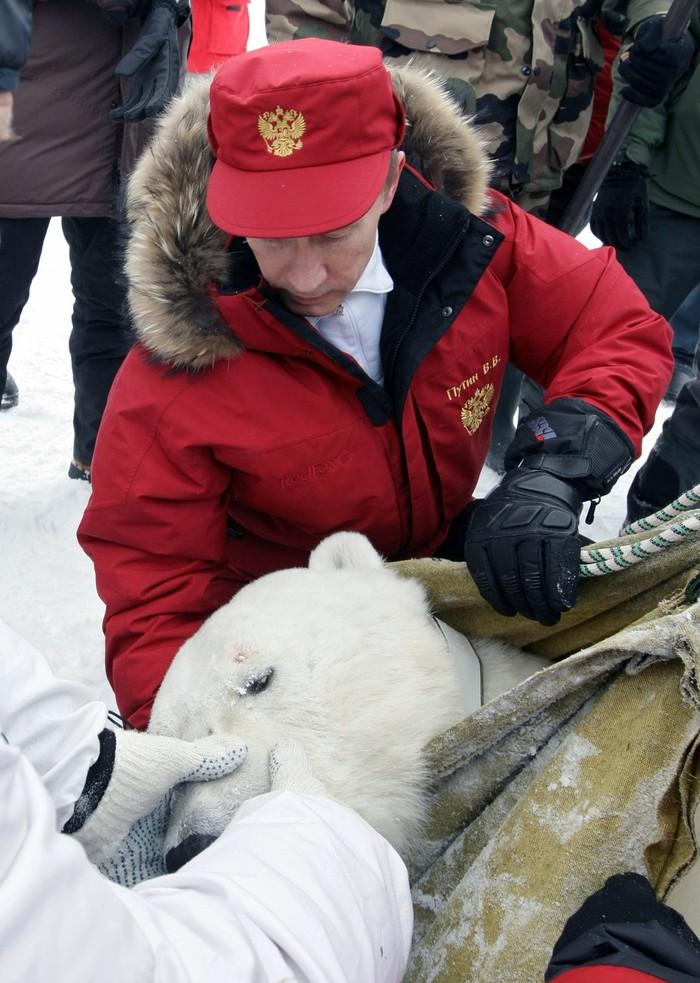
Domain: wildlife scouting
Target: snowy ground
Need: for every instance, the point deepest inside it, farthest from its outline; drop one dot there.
(46, 583)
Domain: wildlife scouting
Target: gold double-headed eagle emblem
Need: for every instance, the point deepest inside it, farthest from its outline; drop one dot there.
(282, 129)
(476, 408)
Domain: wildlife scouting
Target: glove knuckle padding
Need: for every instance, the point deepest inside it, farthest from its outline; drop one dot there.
(509, 549)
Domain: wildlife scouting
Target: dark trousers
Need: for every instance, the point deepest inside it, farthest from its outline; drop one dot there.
(673, 465)
(101, 335)
(666, 267)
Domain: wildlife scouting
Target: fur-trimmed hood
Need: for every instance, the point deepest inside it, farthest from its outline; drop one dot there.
(174, 253)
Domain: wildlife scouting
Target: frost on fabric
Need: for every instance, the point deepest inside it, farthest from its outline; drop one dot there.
(565, 822)
(536, 841)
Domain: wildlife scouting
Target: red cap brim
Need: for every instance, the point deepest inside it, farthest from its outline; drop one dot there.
(301, 201)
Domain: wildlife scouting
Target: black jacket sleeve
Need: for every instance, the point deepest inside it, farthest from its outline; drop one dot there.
(624, 925)
(15, 34)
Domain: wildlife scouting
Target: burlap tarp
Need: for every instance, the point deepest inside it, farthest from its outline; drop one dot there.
(589, 768)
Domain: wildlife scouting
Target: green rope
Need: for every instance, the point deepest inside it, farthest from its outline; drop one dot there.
(599, 561)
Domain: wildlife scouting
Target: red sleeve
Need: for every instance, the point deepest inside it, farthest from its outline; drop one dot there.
(605, 974)
(579, 325)
(155, 528)
(601, 93)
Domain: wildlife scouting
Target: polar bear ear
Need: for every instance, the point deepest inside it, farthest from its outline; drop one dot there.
(345, 550)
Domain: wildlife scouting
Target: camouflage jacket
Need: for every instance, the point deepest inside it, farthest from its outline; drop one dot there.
(523, 68)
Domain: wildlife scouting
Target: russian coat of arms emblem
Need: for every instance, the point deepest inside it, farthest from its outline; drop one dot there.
(476, 408)
(282, 129)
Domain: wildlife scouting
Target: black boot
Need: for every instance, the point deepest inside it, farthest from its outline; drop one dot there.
(78, 470)
(10, 394)
(681, 374)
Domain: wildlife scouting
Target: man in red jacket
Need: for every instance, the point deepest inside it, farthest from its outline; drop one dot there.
(332, 358)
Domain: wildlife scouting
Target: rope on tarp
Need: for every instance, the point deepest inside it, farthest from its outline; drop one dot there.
(610, 559)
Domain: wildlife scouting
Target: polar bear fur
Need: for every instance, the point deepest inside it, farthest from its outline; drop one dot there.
(342, 657)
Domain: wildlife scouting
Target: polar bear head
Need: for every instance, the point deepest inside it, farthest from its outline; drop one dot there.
(342, 657)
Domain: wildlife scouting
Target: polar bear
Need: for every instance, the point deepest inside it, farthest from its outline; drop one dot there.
(342, 657)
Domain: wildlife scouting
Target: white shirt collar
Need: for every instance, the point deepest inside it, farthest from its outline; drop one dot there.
(356, 326)
(375, 277)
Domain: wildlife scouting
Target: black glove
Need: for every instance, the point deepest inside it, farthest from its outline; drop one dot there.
(620, 214)
(522, 546)
(153, 64)
(652, 66)
(119, 11)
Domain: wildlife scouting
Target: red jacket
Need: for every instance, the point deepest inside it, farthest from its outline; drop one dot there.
(220, 29)
(203, 481)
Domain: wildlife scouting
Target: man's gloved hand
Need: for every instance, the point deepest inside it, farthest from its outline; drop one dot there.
(123, 811)
(620, 214)
(652, 66)
(153, 64)
(522, 546)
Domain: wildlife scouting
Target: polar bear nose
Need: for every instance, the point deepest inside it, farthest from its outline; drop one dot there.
(189, 848)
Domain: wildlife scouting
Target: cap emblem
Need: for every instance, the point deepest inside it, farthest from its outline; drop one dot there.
(282, 129)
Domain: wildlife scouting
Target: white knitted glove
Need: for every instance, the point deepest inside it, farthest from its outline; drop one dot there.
(290, 770)
(123, 812)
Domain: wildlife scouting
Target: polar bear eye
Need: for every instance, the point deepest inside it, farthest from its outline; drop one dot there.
(258, 680)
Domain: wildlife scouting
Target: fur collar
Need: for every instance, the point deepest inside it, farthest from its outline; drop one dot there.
(174, 253)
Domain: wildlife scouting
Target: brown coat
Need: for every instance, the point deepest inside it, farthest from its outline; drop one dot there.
(69, 155)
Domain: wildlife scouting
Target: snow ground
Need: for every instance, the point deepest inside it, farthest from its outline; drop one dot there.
(47, 590)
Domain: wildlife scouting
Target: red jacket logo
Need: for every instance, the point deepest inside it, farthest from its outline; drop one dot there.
(314, 471)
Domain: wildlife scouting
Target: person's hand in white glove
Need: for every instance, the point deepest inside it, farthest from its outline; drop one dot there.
(122, 813)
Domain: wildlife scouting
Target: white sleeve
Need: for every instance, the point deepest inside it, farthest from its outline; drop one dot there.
(55, 722)
(298, 888)
(315, 894)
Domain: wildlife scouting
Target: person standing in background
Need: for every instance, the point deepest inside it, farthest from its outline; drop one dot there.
(648, 207)
(82, 77)
(673, 464)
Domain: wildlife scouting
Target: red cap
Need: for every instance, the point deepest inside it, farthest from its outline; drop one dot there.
(302, 133)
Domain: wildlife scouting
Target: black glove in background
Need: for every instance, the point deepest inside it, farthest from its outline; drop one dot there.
(652, 66)
(119, 11)
(522, 546)
(620, 215)
(153, 64)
